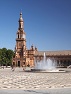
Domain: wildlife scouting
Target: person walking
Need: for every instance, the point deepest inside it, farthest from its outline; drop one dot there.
(13, 68)
(23, 67)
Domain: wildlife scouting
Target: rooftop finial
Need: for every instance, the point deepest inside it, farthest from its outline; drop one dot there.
(21, 12)
(21, 19)
(21, 15)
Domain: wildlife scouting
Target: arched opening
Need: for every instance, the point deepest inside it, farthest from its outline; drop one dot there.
(18, 63)
(23, 63)
(69, 63)
(13, 63)
(18, 36)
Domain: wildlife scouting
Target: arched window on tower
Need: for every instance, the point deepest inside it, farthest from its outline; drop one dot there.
(19, 25)
(18, 35)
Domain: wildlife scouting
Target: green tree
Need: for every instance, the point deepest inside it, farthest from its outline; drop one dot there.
(0, 56)
(6, 56)
(10, 54)
(3, 56)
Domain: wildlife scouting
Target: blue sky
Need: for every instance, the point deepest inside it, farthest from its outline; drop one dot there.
(47, 23)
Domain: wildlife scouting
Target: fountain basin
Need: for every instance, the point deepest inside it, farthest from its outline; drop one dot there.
(48, 70)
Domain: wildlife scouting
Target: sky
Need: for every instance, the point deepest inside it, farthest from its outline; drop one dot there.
(47, 23)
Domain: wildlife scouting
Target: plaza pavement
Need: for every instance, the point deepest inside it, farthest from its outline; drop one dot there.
(32, 83)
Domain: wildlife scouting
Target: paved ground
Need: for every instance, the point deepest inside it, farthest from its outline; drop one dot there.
(42, 83)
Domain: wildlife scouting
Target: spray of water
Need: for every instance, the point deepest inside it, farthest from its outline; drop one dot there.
(45, 63)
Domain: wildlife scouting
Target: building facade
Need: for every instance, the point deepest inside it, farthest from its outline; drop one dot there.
(26, 57)
(62, 58)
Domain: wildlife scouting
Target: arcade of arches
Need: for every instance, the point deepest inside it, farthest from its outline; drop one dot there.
(62, 58)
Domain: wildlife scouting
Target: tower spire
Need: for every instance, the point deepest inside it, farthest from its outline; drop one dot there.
(21, 21)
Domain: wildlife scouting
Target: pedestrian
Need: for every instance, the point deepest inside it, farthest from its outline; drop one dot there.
(13, 68)
(23, 67)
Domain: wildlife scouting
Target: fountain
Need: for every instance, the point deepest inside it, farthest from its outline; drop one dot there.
(46, 65)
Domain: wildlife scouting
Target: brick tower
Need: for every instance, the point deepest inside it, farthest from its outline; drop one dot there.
(20, 48)
(23, 56)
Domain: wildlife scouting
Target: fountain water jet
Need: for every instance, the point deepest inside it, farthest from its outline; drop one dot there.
(46, 65)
